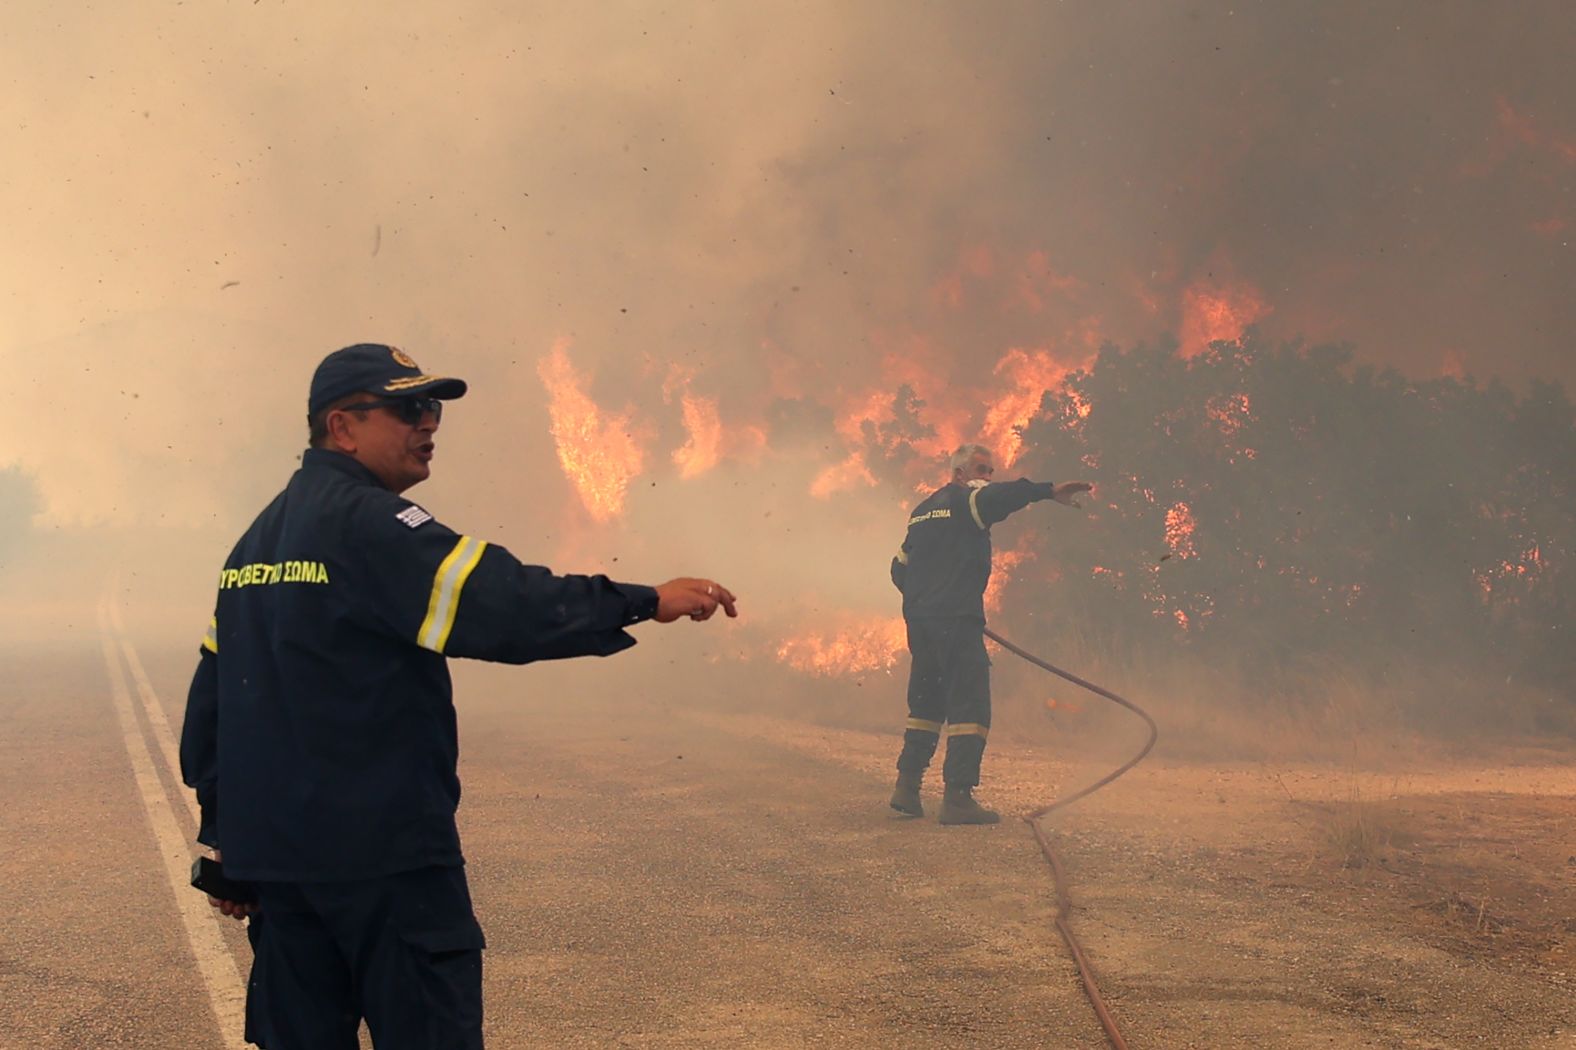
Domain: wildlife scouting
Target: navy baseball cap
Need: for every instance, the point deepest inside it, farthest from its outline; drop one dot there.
(378, 369)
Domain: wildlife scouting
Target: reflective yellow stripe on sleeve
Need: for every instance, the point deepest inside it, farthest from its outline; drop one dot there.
(974, 507)
(902, 556)
(210, 641)
(968, 729)
(924, 725)
(447, 583)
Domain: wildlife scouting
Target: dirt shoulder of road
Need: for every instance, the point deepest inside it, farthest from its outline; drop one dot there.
(1429, 902)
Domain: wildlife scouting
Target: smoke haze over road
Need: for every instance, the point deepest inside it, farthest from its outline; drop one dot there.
(736, 224)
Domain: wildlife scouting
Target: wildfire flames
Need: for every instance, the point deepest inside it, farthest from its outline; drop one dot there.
(895, 416)
(1032, 374)
(1528, 566)
(598, 450)
(1003, 562)
(1231, 413)
(601, 451)
(1211, 314)
(702, 423)
(876, 643)
(860, 647)
(1027, 375)
(1180, 524)
(848, 474)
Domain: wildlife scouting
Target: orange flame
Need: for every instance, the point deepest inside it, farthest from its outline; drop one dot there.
(598, 450)
(875, 643)
(1212, 314)
(950, 412)
(1002, 563)
(1526, 569)
(1032, 375)
(1080, 405)
(875, 406)
(1180, 524)
(704, 426)
(845, 475)
(702, 448)
(1230, 412)
(1038, 279)
(863, 646)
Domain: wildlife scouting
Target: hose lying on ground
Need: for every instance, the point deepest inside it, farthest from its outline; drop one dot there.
(1063, 900)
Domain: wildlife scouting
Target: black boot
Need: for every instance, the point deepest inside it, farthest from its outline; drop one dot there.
(958, 807)
(905, 797)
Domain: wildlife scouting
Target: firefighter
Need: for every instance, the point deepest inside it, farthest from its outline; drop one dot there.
(320, 731)
(942, 569)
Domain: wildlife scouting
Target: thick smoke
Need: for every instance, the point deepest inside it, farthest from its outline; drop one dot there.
(781, 209)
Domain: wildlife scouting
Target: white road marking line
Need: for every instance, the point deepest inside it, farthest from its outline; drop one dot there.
(226, 993)
(155, 710)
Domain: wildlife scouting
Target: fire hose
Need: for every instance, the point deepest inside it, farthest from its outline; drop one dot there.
(1063, 899)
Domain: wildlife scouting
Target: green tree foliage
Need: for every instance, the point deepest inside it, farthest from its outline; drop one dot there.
(1277, 508)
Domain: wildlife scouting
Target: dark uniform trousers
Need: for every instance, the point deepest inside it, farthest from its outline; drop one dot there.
(405, 951)
(948, 687)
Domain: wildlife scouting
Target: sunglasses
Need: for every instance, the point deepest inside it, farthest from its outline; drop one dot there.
(410, 410)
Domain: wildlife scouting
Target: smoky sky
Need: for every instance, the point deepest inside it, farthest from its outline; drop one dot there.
(778, 200)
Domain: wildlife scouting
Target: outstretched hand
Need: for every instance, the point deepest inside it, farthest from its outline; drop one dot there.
(695, 598)
(1065, 492)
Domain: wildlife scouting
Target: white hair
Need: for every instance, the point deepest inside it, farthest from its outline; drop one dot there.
(965, 453)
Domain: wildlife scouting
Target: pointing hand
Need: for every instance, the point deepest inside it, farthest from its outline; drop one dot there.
(695, 598)
(1065, 492)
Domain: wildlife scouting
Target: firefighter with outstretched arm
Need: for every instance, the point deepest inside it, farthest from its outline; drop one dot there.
(942, 570)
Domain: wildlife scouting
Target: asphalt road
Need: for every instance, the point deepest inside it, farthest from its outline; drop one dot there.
(643, 879)
(665, 853)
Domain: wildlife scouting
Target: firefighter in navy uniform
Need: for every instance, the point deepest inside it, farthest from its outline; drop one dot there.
(942, 570)
(320, 731)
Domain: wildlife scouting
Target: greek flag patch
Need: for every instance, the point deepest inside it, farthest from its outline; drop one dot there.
(413, 517)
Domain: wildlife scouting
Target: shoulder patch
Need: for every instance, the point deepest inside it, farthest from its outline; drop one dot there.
(413, 517)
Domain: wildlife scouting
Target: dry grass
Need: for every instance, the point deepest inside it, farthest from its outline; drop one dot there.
(1340, 715)
(1473, 915)
(1358, 832)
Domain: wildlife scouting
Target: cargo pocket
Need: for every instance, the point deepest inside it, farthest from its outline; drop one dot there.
(459, 937)
(443, 987)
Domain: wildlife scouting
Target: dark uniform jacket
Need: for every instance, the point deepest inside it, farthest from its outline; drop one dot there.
(320, 728)
(944, 563)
